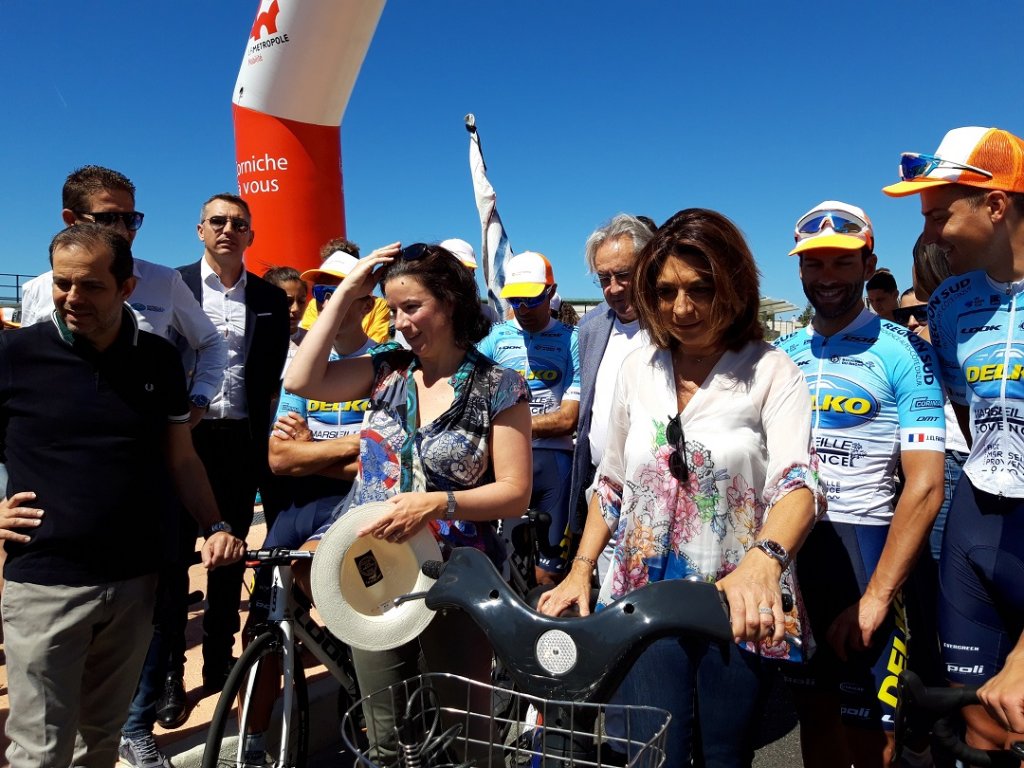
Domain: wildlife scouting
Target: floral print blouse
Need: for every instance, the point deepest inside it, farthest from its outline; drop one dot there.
(747, 438)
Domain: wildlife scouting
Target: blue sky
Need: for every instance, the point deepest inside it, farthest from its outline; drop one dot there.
(758, 110)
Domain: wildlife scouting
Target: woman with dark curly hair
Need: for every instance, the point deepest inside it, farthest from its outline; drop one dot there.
(446, 440)
(708, 474)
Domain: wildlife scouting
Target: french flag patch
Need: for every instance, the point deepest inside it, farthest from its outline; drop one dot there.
(915, 437)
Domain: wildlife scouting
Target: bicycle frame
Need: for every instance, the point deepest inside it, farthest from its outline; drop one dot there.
(294, 621)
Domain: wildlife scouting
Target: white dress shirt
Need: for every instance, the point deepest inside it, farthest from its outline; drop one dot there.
(225, 307)
(163, 305)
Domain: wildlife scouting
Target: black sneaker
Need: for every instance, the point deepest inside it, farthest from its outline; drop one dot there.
(141, 751)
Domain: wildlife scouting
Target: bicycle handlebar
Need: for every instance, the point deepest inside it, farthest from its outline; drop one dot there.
(922, 708)
(276, 556)
(576, 659)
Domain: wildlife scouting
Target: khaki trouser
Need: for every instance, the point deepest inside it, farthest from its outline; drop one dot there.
(73, 660)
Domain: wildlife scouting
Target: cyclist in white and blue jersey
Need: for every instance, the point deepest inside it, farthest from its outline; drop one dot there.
(546, 352)
(877, 401)
(972, 200)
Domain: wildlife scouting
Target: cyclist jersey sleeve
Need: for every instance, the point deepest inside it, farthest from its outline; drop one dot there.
(874, 393)
(978, 326)
(919, 401)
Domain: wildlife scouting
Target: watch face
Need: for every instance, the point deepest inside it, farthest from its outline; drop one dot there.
(774, 549)
(200, 401)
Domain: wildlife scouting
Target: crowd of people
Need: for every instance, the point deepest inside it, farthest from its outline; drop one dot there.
(854, 488)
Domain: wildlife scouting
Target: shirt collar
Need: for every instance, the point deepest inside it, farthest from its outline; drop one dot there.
(129, 330)
(212, 279)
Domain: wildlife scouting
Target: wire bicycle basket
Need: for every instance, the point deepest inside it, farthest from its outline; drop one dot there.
(439, 720)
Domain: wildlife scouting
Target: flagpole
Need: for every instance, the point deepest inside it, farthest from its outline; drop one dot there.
(495, 249)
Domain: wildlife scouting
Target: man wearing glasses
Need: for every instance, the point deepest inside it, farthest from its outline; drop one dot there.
(161, 302)
(232, 439)
(545, 352)
(876, 400)
(607, 333)
(972, 200)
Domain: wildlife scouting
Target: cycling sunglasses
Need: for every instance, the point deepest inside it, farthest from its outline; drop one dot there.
(915, 165)
(132, 220)
(323, 292)
(842, 222)
(518, 302)
(902, 315)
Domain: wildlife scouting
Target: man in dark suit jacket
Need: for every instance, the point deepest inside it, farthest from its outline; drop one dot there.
(232, 438)
(606, 334)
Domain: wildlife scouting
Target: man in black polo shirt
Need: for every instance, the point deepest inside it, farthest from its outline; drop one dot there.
(93, 419)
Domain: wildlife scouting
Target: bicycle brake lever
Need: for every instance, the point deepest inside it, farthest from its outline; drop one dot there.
(407, 597)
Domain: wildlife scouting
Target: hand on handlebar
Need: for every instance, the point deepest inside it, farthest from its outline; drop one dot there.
(1003, 695)
(574, 591)
(755, 600)
(222, 549)
(855, 627)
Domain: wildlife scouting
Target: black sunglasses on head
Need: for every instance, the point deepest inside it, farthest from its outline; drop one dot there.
(902, 315)
(414, 252)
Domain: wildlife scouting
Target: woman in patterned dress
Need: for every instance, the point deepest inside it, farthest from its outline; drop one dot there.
(446, 438)
(708, 474)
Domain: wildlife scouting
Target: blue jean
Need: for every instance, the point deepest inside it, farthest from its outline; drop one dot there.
(954, 468)
(718, 690)
(170, 617)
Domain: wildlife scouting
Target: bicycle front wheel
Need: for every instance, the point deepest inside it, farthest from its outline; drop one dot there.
(255, 681)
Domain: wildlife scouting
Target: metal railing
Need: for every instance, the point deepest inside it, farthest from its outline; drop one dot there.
(11, 284)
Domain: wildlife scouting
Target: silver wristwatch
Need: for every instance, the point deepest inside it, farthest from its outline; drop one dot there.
(775, 551)
(449, 512)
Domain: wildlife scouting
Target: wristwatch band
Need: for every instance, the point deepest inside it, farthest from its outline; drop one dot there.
(217, 528)
(449, 512)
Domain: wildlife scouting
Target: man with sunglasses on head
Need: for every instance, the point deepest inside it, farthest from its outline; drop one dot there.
(607, 333)
(972, 200)
(546, 353)
(161, 302)
(876, 401)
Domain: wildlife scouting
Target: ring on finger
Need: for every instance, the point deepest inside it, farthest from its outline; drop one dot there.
(764, 610)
